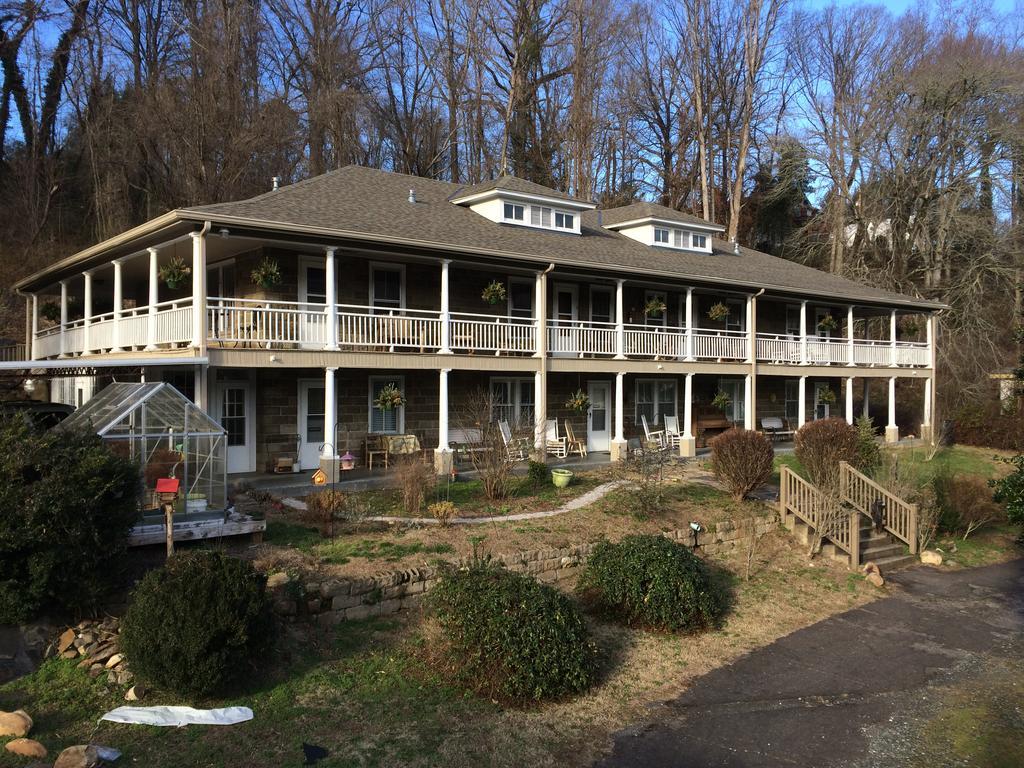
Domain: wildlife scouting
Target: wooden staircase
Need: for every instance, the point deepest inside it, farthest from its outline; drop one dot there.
(849, 533)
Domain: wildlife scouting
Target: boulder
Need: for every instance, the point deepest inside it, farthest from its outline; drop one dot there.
(65, 640)
(80, 756)
(135, 693)
(931, 557)
(873, 574)
(16, 723)
(114, 660)
(278, 579)
(26, 748)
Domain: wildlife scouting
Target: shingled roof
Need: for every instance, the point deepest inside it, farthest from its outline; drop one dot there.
(635, 211)
(361, 202)
(516, 185)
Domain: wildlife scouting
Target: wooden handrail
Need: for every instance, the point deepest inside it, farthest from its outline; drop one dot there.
(860, 491)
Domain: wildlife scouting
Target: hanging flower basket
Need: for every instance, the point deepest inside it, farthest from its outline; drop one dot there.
(174, 273)
(578, 402)
(654, 306)
(266, 274)
(718, 311)
(722, 401)
(50, 311)
(827, 396)
(389, 398)
(494, 292)
(828, 323)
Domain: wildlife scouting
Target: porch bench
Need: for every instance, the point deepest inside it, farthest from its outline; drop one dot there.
(464, 442)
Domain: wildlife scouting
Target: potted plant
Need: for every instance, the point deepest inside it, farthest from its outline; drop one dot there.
(389, 398)
(718, 311)
(494, 292)
(654, 306)
(827, 396)
(828, 323)
(50, 311)
(266, 274)
(578, 401)
(721, 401)
(561, 477)
(174, 273)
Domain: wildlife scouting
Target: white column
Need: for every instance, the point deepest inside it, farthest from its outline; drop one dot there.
(618, 446)
(86, 311)
(539, 416)
(198, 290)
(849, 334)
(63, 317)
(620, 324)
(927, 418)
(330, 273)
(35, 324)
(748, 402)
(330, 414)
(892, 335)
(892, 432)
(689, 323)
(201, 380)
(803, 333)
(688, 445)
(442, 411)
(446, 319)
(154, 299)
(801, 406)
(849, 400)
(749, 328)
(929, 327)
(118, 305)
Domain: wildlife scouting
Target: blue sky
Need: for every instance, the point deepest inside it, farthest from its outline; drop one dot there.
(899, 6)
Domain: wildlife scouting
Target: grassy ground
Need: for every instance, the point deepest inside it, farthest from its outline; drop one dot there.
(360, 692)
(366, 549)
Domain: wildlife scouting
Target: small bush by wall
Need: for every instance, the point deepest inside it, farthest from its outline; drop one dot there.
(68, 505)
(199, 624)
(820, 446)
(652, 581)
(742, 459)
(507, 635)
(988, 425)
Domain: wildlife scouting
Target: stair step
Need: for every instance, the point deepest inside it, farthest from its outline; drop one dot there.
(882, 551)
(893, 563)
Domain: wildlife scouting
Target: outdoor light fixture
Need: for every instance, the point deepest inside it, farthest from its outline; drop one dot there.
(224, 233)
(695, 529)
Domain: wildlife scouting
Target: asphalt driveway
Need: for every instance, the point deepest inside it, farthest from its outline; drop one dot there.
(882, 685)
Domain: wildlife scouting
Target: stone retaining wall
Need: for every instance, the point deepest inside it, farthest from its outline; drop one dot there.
(335, 600)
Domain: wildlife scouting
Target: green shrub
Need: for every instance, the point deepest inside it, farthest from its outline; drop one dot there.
(199, 624)
(820, 445)
(651, 581)
(506, 635)
(68, 505)
(869, 452)
(538, 473)
(742, 459)
(1009, 490)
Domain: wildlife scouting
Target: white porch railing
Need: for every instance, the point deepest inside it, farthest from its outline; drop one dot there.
(47, 342)
(582, 337)
(788, 350)
(489, 333)
(266, 323)
(413, 330)
(781, 349)
(655, 341)
(174, 322)
(719, 345)
(912, 353)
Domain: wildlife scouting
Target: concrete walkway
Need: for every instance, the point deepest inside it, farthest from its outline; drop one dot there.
(853, 690)
(579, 502)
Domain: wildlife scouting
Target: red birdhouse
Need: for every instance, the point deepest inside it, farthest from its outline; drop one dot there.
(168, 485)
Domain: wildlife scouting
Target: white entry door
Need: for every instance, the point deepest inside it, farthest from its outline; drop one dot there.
(564, 314)
(236, 416)
(311, 423)
(312, 331)
(821, 408)
(599, 416)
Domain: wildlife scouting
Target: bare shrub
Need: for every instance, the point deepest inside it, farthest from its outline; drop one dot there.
(742, 459)
(491, 458)
(442, 511)
(820, 446)
(750, 532)
(323, 508)
(644, 470)
(415, 479)
(967, 505)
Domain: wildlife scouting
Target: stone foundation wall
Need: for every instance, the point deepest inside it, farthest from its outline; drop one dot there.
(335, 600)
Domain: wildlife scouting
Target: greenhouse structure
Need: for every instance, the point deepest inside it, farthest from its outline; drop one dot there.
(166, 435)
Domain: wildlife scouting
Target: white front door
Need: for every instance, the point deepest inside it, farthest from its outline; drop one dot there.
(312, 330)
(821, 409)
(236, 416)
(564, 314)
(311, 423)
(735, 389)
(599, 416)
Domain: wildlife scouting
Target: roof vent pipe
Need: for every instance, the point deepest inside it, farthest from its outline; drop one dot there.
(412, 195)
(736, 247)
(275, 183)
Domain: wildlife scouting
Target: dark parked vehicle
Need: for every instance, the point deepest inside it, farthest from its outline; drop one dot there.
(43, 415)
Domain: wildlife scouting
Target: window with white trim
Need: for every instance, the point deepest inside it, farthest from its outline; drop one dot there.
(540, 216)
(655, 399)
(386, 286)
(661, 236)
(656, 318)
(792, 400)
(698, 241)
(679, 238)
(390, 422)
(520, 299)
(564, 220)
(514, 212)
(512, 401)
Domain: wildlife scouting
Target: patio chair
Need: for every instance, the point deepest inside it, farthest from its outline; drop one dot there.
(672, 434)
(517, 447)
(555, 445)
(657, 438)
(377, 448)
(774, 428)
(573, 442)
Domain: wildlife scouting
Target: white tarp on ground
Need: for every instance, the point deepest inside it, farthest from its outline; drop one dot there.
(178, 716)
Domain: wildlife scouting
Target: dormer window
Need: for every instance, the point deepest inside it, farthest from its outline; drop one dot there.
(699, 241)
(660, 236)
(514, 212)
(564, 220)
(679, 238)
(540, 216)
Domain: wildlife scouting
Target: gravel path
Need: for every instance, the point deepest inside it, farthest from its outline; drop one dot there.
(580, 501)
